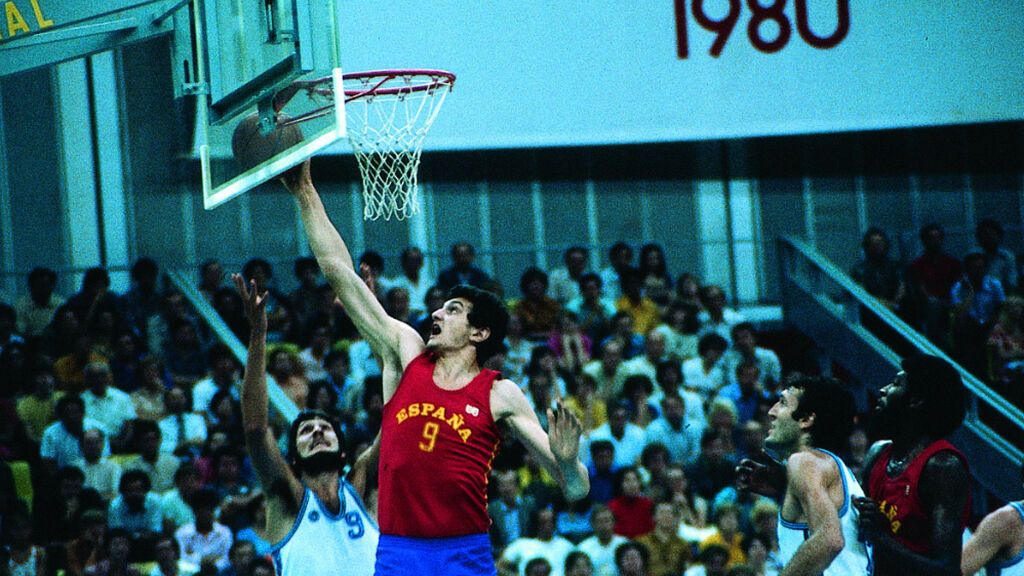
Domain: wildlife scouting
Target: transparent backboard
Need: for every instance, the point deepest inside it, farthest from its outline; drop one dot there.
(245, 53)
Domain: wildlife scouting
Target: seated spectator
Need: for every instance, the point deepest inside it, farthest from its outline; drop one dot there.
(1005, 342)
(229, 472)
(537, 567)
(631, 343)
(517, 351)
(136, 509)
(755, 548)
(434, 300)
(603, 369)
(706, 373)
(1002, 264)
(691, 507)
(572, 521)
(261, 272)
(727, 533)
(462, 270)
(149, 398)
(361, 360)
(541, 542)
(636, 392)
(634, 512)
(23, 556)
(626, 437)
(348, 389)
(670, 383)
(312, 357)
(223, 376)
(541, 397)
(601, 471)
(70, 368)
(930, 281)
(536, 309)
(745, 348)
(746, 392)
(89, 544)
(679, 327)
(396, 304)
(101, 473)
(643, 310)
(159, 466)
(631, 559)
(228, 305)
(578, 564)
(211, 278)
(751, 438)
(120, 550)
(652, 264)
(304, 298)
(182, 432)
(714, 561)
(764, 519)
(585, 403)
(184, 354)
(174, 310)
(59, 336)
(240, 559)
(601, 546)
(168, 559)
(59, 503)
(542, 360)
(124, 364)
(205, 542)
(510, 512)
(60, 446)
(722, 417)
(94, 291)
(592, 308)
(654, 471)
(715, 317)
(174, 507)
(142, 301)
(570, 345)
(565, 280)
(620, 259)
(976, 299)
(37, 408)
(413, 280)
(877, 272)
(103, 403)
(688, 291)
(284, 366)
(714, 469)
(671, 430)
(35, 310)
(643, 365)
(226, 416)
(324, 398)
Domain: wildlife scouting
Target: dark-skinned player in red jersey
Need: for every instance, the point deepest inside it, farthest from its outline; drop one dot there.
(442, 415)
(917, 484)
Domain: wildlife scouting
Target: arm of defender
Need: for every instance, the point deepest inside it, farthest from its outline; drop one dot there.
(558, 450)
(359, 476)
(993, 535)
(270, 466)
(384, 334)
(808, 483)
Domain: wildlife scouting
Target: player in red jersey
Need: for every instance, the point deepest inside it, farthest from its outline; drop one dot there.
(917, 483)
(441, 417)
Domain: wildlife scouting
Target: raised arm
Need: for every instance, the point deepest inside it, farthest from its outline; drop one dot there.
(994, 534)
(271, 468)
(808, 482)
(557, 450)
(395, 342)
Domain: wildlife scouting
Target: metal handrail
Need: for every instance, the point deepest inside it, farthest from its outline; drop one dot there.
(279, 401)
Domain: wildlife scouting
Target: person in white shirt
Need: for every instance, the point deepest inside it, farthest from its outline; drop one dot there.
(620, 259)
(160, 466)
(104, 403)
(645, 365)
(543, 543)
(205, 542)
(603, 370)
(715, 317)
(223, 376)
(564, 282)
(412, 280)
(705, 374)
(180, 431)
(627, 438)
(168, 559)
(671, 430)
(744, 347)
(35, 310)
(61, 444)
(312, 357)
(601, 546)
(101, 473)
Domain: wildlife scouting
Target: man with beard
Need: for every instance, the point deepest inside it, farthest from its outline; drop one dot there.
(817, 529)
(917, 483)
(315, 519)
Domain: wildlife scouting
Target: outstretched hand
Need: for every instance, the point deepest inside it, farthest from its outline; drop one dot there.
(564, 431)
(297, 179)
(763, 479)
(254, 303)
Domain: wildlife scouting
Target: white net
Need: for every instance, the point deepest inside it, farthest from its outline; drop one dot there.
(388, 118)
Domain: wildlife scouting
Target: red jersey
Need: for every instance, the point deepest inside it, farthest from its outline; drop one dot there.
(900, 501)
(435, 455)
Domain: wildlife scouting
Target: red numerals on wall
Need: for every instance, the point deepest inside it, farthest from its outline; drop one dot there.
(768, 38)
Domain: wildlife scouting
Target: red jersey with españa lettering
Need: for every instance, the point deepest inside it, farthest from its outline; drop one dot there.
(900, 501)
(435, 455)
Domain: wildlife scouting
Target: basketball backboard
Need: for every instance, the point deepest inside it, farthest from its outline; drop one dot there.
(234, 58)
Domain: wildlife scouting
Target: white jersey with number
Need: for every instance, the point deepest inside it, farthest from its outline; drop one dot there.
(855, 557)
(324, 543)
(1014, 566)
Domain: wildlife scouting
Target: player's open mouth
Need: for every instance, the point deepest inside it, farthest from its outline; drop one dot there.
(435, 329)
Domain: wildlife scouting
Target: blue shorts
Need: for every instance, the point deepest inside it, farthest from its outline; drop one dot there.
(459, 556)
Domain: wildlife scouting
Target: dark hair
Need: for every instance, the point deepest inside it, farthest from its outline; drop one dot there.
(408, 251)
(713, 550)
(665, 366)
(748, 326)
(95, 275)
(598, 445)
(529, 275)
(575, 249)
(372, 259)
(40, 273)
(293, 432)
(712, 341)
(622, 549)
(335, 355)
(68, 400)
(144, 267)
(536, 562)
(70, 473)
(590, 277)
(486, 312)
(972, 256)
(218, 352)
(141, 427)
(573, 558)
(249, 269)
(304, 264)
(314, 391)
(206, 497)
(992, 225)
(620, 477)
(938, 384)
(652, 450)
(929, 228)
(7, 311)
(661, 270)
(630, 385)
(619, 247)
(832, 405)
(752, 537)
(134, 475)
(873, 231)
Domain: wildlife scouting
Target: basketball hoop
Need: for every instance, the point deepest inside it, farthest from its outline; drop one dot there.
(388, 114)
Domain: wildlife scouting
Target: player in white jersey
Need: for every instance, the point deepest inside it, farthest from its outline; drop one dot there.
(315, 519)
(998, 543)
(818, 523)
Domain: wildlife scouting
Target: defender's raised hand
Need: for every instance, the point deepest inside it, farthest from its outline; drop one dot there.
(564, 431)
(254, 303)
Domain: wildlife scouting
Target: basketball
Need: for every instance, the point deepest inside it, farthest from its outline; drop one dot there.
(250, 147)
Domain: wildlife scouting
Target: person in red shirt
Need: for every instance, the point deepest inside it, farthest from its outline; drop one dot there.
(917, 483)
(634, 512)
(442, 414)
(932, 276)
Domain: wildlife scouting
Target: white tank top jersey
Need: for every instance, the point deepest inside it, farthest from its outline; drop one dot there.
(324, 543)
(1014, 566)
(855, 558)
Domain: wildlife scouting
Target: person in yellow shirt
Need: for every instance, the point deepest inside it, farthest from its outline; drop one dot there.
(588, 407)
(644, 311)
(668, 553)
(727, 533)
(36, 410)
